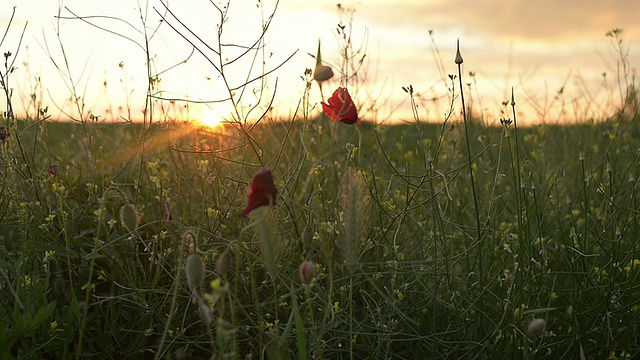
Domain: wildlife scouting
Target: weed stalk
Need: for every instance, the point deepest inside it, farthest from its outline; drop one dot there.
(459, 61)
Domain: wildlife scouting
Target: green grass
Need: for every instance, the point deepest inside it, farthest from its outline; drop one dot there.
(558, 239)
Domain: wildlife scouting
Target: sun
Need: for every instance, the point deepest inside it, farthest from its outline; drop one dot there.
(208, 117)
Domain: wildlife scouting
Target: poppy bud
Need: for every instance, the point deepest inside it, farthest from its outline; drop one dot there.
(3, 134)
(321, 72)
(189, 240)
(308, 271)
(458, 56)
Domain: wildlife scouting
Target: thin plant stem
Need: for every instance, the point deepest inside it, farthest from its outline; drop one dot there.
(174, 300)
(471, 175)
(516, 171)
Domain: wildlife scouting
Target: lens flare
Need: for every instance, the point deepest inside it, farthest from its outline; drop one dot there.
(208, 117)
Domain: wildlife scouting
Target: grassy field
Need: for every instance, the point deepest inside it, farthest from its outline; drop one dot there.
(536, 258)
(465, 239)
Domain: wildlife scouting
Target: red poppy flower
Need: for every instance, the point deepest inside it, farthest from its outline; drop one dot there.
(341, 107)
(53, 170)
(262, 191)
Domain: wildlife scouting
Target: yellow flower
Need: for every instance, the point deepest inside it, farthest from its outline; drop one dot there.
(215, 284)
(153, 166)
(48, 255)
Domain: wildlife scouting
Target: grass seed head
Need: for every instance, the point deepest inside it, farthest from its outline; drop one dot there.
(536, 327)
(223, 265)
(129, 217)
(205, 312)
(569, 311)
(194, 270)
(354, 207)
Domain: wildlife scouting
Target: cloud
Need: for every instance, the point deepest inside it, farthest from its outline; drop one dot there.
(544, 20)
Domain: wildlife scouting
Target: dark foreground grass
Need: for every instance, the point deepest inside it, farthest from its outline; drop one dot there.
(386, 214)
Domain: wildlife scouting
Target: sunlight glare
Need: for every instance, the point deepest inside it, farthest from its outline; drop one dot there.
(208, 117)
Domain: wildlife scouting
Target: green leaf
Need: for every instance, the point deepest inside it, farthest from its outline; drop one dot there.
(28, 324)
(43, 314)
(539, 310)
(302, 342)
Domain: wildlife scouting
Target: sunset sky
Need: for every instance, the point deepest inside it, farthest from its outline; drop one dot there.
(536, 47)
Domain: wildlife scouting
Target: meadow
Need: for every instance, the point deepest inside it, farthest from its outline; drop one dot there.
(461, 239)
(402, 271)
